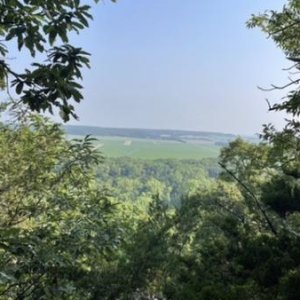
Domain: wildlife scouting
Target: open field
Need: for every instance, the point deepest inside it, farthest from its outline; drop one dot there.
(154, 144)
(154, 149)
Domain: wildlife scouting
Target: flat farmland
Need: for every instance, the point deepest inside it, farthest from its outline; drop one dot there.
(154, 149)
(154, 143)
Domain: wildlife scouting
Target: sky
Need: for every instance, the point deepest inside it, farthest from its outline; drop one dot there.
(174, 64)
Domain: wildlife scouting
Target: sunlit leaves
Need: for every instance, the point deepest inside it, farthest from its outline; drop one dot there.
(57, 227)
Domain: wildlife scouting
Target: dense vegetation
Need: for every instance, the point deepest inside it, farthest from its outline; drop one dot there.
(66, 236)
(51, 235)
(140, 180)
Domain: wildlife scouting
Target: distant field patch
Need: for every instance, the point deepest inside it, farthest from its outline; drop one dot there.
(155, 149)
(127, 143)
(155, 143)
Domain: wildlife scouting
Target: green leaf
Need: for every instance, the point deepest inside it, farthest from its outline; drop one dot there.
(19, 87)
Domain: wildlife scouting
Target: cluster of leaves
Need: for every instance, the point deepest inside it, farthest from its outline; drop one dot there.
(283, 27)
(57, 227)
(37, 26)
(138, 180)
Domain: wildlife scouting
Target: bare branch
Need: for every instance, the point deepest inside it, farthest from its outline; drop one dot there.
(294, 73)
(275, 87)
(269, 104)
(291, 67)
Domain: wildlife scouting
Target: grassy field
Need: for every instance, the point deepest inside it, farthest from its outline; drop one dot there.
(154, 149)
(153, 143)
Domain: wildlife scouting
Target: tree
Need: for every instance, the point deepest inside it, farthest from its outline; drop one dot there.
(38, 26)
(283, 27)
(283, 191)
(241, 239)
(57, 227)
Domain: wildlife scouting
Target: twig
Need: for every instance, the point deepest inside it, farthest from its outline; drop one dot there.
(275, 87)
(271, 226)
(291, 67)
(269, 104)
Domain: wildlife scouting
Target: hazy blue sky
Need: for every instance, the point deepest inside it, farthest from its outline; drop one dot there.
(178, 64)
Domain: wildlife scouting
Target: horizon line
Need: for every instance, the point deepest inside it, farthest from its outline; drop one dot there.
(164, 129)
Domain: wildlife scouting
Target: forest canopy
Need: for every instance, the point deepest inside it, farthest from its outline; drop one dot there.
(73, 225)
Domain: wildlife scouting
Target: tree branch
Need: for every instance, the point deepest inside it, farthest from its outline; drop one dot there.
(259, 206)
(275, 87)
(284, 28)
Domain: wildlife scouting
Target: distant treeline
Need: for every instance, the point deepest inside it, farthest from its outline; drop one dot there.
(160, 134)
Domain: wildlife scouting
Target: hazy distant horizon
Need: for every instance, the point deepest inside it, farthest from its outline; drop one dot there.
(162, 129)
(191, 65)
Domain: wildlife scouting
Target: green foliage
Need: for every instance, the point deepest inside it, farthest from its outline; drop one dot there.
(290, 284)
(65, 236)
(38, 26)
(57, 227)
(283, 28)
(238, 238)
(138, 180)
